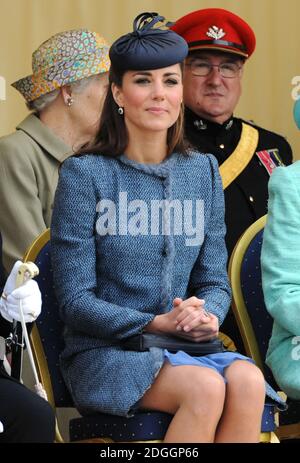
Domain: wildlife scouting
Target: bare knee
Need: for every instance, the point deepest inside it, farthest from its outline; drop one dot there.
(205, 392)
(198, 389)
(247, 379)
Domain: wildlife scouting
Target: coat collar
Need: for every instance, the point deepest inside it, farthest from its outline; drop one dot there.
(204, 125)
(39, 132)
(162, 169)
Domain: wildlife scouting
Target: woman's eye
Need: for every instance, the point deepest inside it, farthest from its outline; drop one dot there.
(142, 80)
(171, 82)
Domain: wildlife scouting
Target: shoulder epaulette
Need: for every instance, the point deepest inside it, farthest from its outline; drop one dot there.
(258, 127)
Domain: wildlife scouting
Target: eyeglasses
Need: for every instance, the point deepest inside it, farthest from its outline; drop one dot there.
(203, 68)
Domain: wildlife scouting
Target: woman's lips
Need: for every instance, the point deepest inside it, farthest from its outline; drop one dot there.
(156, 110)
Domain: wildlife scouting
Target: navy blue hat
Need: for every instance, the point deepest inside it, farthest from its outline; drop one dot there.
(147, 47)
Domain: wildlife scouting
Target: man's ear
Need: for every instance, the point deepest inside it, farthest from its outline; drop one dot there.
(117, 94)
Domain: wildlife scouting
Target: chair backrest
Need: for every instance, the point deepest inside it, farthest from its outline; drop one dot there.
(46, 336)
(254, 321)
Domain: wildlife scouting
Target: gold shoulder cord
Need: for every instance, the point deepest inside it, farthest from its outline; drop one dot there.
(241, 156)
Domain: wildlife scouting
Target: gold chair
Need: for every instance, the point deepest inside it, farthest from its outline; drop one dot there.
(254, 322)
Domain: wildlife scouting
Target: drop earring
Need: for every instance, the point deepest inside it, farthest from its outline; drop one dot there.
(120, 111)
(70, 101)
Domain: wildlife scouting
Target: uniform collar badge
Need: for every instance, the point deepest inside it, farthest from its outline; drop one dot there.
(200, 125)
(229, 125)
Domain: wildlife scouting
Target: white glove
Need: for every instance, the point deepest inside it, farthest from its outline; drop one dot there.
(28, 293)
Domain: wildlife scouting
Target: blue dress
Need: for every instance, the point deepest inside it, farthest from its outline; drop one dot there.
(219, 362)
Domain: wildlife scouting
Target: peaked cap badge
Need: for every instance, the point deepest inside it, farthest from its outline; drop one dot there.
(215, 32)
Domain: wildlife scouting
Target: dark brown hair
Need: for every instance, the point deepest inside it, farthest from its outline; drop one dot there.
(112, 136)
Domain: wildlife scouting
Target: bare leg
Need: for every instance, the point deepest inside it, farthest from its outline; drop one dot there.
(244, 404)
(195, 395)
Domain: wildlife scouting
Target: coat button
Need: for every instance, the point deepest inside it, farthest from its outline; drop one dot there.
(222, 146)
(251, 199)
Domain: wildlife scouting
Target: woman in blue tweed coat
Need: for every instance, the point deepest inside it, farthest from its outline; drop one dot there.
(121, 267)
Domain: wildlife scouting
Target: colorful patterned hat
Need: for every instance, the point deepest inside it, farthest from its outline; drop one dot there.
(63, 59)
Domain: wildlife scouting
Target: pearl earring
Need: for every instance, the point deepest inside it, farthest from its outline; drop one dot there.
(70, 101)
(121, 111)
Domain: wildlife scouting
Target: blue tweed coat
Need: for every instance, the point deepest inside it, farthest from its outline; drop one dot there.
(110, 287)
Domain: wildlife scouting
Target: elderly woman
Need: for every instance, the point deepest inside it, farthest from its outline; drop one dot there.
(280, 274)
(65, 92)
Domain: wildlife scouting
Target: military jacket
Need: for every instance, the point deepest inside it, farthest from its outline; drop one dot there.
(246, 198)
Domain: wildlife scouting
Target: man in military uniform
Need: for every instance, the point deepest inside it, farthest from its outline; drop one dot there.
(220, 43)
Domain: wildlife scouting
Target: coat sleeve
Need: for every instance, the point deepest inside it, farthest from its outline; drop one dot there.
(209, 278)
(20, 206)
(281, 249)
(74, 259)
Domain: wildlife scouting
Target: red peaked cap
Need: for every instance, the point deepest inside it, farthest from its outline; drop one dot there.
(216, 29)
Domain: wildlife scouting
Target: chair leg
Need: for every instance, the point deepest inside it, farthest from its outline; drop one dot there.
(274, 439)
(58, 437)
(95, 440)
(269, 438)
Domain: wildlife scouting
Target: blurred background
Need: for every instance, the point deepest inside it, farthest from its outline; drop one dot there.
(267, 84)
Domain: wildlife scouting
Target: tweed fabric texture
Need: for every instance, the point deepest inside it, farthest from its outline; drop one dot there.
(110, 287)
